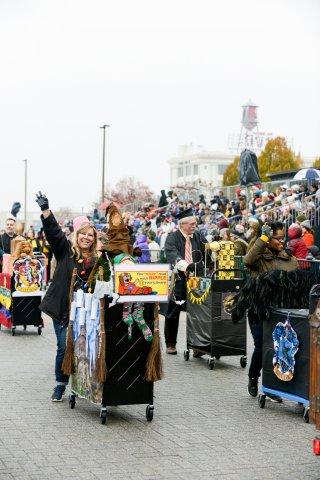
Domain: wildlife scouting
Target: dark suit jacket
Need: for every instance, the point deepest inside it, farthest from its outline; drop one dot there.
(175, 250)
(175, 246)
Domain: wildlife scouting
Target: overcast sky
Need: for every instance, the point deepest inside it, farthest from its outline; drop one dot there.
(161, 73)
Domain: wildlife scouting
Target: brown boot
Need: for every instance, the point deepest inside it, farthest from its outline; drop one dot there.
(171, 350)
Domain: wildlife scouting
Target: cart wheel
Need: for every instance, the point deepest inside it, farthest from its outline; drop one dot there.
(13, 331)
(103, 415)
(243, 361)
(24, 327)
(217, 356)
(211, 363)
(186, 355)
(149, 412)
(306, 415)
(39, 330)
(72, 400)
(262, 400)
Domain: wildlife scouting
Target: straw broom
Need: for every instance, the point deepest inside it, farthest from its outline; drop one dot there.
(154, 365)
(101, 366)
(100, 372)
(68, 359)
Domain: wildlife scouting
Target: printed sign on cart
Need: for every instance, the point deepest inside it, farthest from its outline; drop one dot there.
(142, 282)
(28, 274)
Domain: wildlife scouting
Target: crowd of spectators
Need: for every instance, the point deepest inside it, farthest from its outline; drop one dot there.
(238, 219)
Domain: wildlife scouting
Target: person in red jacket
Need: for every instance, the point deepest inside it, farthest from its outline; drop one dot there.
(296, 244)
(307, 234)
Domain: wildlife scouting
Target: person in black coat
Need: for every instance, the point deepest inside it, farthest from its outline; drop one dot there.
(6, 238)
(163, 199)
(177, 248)
(81, 255)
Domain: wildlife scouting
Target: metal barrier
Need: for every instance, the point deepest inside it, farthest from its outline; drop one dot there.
(310, 265)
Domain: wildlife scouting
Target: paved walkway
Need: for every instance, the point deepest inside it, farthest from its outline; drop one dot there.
(205, 425)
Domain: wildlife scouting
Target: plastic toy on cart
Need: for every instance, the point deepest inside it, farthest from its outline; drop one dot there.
(21, 293)
(210, 329)
(286, 345)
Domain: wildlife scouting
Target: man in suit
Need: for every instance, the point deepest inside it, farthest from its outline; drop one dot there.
(182, 250)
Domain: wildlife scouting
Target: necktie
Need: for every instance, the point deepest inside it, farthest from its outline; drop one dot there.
(187, 253)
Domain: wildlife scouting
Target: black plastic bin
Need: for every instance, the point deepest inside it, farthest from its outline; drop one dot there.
(210, 329)
(297, 389)
(25, 311)
(126, 363)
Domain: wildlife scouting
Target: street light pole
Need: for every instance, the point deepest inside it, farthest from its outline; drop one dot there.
(103, 160)
(25, 192)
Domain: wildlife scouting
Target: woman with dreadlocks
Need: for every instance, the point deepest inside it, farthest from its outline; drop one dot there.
(266, 254)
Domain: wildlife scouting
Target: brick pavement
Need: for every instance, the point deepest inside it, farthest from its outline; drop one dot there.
(205, 425)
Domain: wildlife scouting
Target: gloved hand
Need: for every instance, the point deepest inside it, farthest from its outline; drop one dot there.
(181, 266)
(191, 267)
(42, 201)
(15, 208)
(266, 232)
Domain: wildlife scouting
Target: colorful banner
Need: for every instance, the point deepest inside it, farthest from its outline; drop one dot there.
(5, 290)
(87, 341)
(28, 274)
(142, 282)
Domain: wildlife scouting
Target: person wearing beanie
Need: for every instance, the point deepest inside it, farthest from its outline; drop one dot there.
(296, 244)
(307, 233)
(300, 218)
(142, 243)
(81, 255)
(240, 245)
(223, 223)
(266, 254)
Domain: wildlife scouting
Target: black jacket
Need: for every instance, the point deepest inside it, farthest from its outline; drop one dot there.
(175, 250)
(176, 243)
(5, 242)
(56, 301)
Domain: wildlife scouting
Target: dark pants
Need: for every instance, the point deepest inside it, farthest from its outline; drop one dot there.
(61, 334)
(256, 359)
(171, 324)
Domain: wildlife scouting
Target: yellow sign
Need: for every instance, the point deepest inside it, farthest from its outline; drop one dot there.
(142, 282)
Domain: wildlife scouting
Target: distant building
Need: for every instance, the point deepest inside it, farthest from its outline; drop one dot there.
(194, 165)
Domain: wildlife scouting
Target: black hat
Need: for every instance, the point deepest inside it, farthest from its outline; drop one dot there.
(184, 214)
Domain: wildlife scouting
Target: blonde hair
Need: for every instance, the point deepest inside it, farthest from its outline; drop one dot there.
(76, 252)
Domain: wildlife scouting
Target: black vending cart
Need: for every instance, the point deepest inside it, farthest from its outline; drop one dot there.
(286, 356)
(125, 358)
(210, 329)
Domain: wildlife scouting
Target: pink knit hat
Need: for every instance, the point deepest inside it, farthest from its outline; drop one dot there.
(80, 221)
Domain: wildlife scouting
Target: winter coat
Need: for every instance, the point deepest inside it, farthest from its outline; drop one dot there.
(5, 242)
(142, 243)
(308, 238)
(163, 200)
(296, 244)
(56, 301)
(240, 247)
(260, 259)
